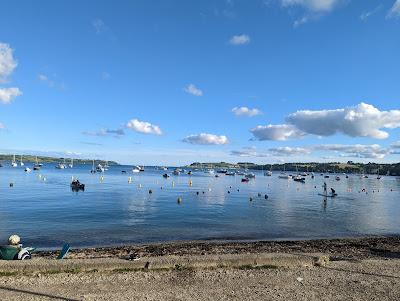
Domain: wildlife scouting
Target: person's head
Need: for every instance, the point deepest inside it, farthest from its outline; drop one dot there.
(14, 240)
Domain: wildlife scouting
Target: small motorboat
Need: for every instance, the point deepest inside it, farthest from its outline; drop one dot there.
(268, 173)
(299, 178)
(222, 171)
(230, 173)
(176, 172)
(337, 178)
(326, 177)
(136, 169)
(165, 176)
(27, 169)
(76, 185)
(245, 180)
(190, 173)
(250, 176)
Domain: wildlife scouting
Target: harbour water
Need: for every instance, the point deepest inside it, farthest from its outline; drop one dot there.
(43, 210)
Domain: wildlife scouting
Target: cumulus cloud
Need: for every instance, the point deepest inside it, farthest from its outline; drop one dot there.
(319, 6)
(289, 151)
(395, 10)
(7, 95)
(373, 151)
(240, 40)
(206, 139)
(363, 120)
(245, 111)
(143, 127)
(278, 132)
(106, 132)
(7, 62)
(192, 89)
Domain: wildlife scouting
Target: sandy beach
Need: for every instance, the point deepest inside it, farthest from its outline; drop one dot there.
(339, 269)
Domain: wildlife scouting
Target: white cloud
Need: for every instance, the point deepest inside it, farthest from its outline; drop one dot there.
(206, 139)
(2, 126)
(106, 132)
(192, 89)
(363, 120)
(143, 127)
(240, 40)
(7, 62)
(99, 26)
(7, 95)
(365, 15)
(105, 75)
(43, 77)
(395, 145)
(373, 151)
(245, 111)
(289, 151)
(395, 10)
(279, 132)
(319, 6)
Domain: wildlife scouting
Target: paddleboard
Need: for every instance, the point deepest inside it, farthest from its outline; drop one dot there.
(328, 195)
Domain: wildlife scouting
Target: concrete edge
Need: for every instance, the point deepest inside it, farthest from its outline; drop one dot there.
(265, 260)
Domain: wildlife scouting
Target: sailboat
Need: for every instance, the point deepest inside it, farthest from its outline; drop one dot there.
(283, 175)
(105, 166)
(71, 165)
(20, 162)
(61, 165)
(13, 163)
(268, 173)
(379, 176)
(93, 170)
(37, 166)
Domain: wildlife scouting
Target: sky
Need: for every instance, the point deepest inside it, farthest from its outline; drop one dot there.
(175, 82)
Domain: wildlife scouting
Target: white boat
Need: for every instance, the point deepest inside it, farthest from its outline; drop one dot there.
(27, 169)
(105, 166)
(299, 178)
(283, 175)
(136, 169)
(164, 168)
(13, 163)
(250, 176)
(71, 165)
(337, 178)
(20, 162)
(210, 171)
(99, 168)
(268, 173)
(93, 170)
(37, 166)
(176, 172)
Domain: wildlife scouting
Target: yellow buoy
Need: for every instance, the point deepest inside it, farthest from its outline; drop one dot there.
(190, 183)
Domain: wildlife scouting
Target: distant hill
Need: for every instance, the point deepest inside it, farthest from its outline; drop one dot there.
(42, 159)
(332, 167)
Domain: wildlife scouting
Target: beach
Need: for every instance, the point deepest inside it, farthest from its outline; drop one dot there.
(338, 269)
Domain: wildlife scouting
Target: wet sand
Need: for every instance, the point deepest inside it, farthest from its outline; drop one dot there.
(375, 247)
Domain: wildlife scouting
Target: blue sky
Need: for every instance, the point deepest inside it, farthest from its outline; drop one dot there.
(172, 82)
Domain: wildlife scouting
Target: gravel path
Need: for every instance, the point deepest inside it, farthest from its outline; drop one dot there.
(340, 280)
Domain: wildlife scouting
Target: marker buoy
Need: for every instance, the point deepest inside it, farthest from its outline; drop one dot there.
(266, 196)
(150, 191)
(179, 200)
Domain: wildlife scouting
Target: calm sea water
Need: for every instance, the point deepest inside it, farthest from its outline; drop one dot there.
(113, 212)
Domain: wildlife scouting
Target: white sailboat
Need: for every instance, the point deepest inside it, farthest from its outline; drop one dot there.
(20, 162)
(93, 170)
(37, 166)
(61, 165)
(14, 163)
(283, 175)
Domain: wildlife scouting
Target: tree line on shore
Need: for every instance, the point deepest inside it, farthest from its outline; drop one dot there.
(331, 167)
